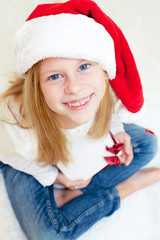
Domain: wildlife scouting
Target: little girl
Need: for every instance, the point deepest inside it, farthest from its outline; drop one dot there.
(59, 111)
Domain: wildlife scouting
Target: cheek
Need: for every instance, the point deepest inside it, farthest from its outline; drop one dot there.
(52, 102)
(50, 96)
(101, 85)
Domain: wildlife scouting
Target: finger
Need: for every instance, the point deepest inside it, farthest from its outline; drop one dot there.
(71, 184)
(128, 150)
(122, 159)
(128, 161)
(129, 158)
(128, 147)
(78, 187)
(83, 185)
(75, 188)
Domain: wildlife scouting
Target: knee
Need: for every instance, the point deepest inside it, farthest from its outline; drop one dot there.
(151, 144)
(144, 142)
(147, 147)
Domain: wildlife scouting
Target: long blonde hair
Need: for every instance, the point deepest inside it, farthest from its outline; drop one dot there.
(34, 113)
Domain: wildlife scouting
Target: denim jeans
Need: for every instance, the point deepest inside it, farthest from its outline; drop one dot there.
(35, 207)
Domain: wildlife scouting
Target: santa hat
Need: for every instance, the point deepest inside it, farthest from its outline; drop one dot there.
(80, 29)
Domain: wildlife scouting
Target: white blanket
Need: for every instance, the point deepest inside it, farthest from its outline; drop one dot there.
(138, 218)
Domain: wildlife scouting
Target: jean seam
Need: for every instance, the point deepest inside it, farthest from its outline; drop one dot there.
(118, 196)
(111, 197)
(49, 208)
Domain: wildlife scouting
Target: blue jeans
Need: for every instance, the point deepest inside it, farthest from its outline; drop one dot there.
(35, 207)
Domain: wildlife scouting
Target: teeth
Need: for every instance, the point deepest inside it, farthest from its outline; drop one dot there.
(83, 102)
(77, 104)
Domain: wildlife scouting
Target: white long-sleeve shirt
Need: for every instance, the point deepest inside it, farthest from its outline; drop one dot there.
(18, 148)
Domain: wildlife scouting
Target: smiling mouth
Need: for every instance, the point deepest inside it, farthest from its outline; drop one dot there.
(78, 103)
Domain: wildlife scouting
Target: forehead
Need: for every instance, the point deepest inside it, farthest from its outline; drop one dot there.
(62, 60)
(59, 63)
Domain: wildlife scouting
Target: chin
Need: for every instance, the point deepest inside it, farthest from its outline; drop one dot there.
(83, 121)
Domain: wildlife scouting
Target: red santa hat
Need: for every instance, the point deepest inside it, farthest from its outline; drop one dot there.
(80, 29)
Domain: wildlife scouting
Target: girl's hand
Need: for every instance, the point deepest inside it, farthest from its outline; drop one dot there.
(127, 151)
(70, 184)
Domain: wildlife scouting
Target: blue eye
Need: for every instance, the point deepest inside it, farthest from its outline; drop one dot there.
(84, 67)
(55, 76)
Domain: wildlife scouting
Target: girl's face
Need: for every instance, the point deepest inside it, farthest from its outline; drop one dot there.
(72, 89)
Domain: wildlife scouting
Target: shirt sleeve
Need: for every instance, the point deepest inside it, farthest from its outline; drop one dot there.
(18, 149)
(116, 125)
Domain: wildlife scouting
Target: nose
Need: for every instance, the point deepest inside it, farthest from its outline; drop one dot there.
(73, 84)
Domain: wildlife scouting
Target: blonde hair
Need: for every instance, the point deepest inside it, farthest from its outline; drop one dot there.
(35, 113)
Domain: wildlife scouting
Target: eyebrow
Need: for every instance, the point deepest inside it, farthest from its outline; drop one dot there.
(53, 69)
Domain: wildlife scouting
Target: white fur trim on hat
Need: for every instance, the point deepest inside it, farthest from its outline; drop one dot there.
(66, 36)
